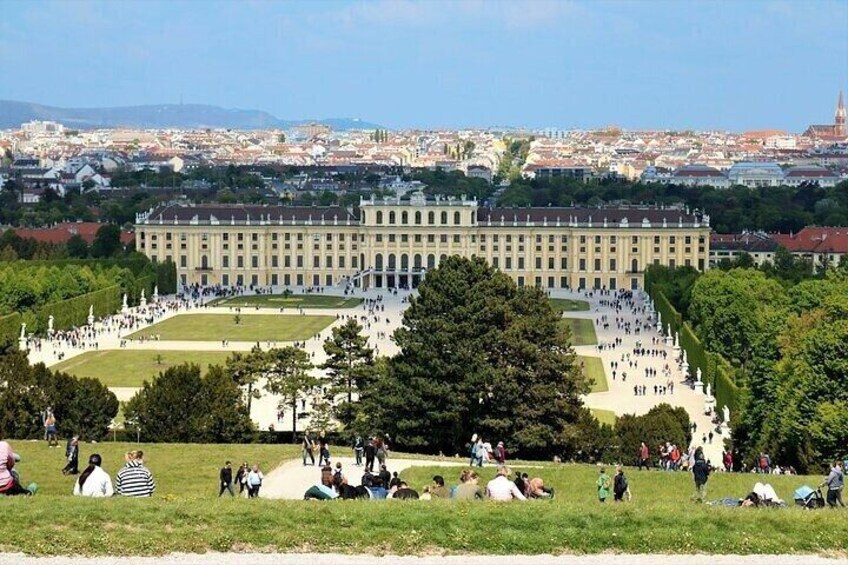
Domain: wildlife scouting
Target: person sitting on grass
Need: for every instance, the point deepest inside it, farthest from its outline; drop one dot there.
(377, 490)
(538, 490)
(437, 489)
(10, 484)
(501, 488)
(603, 483)
(134, 479)
(94, 481)
(468, 489)
(320, 492)
(403, 492)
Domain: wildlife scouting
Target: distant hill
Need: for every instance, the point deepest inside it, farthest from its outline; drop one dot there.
(13, 114)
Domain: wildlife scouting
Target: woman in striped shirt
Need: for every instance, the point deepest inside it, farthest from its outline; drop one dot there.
(135, 479)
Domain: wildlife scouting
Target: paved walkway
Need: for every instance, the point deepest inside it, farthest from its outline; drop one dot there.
(620, 397)
(290, 480)
(338, 559)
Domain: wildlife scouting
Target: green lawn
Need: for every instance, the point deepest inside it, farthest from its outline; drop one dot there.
(594, 368)
(124, 367)
(569, 305)
(582, 331)
(604, 416)
(290, 301)
(185, 515)
(251, 327)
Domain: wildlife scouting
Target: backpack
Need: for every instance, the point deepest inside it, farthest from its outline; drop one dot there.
(620, 484)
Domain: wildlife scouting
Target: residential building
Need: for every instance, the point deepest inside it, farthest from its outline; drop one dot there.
(728, 247)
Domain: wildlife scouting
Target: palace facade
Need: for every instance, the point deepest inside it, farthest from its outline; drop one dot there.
(393, 243)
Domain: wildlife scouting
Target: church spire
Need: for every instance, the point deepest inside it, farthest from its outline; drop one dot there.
(839, 121)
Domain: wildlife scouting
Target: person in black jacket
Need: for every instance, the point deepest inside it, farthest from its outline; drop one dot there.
(226, 478)
(370, 454)
(72, 453)
(619, 485)
(700, 472)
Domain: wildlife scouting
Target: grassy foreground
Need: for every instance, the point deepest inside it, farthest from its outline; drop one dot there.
(130, 368)
(186, 516)
(251, 327)
(291, 301)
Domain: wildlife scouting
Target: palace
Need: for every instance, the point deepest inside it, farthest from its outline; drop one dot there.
(393, 243)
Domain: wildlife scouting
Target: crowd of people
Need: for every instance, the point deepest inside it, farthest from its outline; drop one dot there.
(383, 485)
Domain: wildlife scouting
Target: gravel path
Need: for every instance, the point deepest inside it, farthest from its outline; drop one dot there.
(336, 559)
(290, 480)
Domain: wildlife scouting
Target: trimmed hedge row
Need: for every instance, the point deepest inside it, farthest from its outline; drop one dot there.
(10, 329)
(715, 369)
(74, 311)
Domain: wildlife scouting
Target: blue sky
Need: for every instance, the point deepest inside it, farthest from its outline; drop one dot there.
(638, 64)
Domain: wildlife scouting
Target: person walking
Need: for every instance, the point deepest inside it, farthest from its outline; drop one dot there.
(603, 483)
(254, 482)
(50, 433)
(226, 479)
(94, 481)
(241, 477)
(620, 486)
(644, 456)
(72, 453)
(700, 472)
(835, 482)
(358, 450)
(134, 479)
(308, 448)
(323, 452)
(370, 454)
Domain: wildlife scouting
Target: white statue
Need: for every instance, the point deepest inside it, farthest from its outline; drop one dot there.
(142, 301)
(50, 324)
(659, 319)
(155, 293)
(23, 330)
(725, 412)
(124, 305)
(91, 311)
(708, 390)
(698, 374)
(676, 340)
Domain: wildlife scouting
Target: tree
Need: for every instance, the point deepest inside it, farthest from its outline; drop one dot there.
(77, 247)
(350, 366)
(287, 372)
(246, 369)
(478, 354)
(107, 241)
(224, 417)
(21, 399)
(660, 424)
(166, 408)
(82, 406)
(182, 406)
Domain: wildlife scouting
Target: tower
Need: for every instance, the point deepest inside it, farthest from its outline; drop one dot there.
(839, 118)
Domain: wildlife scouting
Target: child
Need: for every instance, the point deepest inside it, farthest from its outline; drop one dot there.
(603, 484)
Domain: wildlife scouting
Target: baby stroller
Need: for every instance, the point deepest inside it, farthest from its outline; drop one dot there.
(807, 498)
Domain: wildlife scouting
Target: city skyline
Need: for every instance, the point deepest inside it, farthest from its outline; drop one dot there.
(651, 65)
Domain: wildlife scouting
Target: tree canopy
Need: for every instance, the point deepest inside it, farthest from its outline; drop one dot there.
(479, 355)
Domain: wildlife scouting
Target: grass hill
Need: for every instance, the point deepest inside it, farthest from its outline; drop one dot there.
(186, 515)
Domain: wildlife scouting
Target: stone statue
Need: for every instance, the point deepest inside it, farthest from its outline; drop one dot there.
(659, 319)
(155, 293)
(50, 324)
(23, 330)
(124, 304)
(676, 340)
(725, 412)
(698, 374)
(708, 390)
(91, 311)
(142, 301)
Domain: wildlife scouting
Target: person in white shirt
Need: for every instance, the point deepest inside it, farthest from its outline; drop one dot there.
(254, 482)
(501, 488)
(94, 481)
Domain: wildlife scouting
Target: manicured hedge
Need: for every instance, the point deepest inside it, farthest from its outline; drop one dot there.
(10, 329)
(74, 311)
(715, 369)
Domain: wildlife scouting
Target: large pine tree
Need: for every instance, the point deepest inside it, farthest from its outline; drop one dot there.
(479, 355)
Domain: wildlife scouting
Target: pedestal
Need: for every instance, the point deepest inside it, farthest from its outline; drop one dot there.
(91, 320)
(699, 387)
(22, 344)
